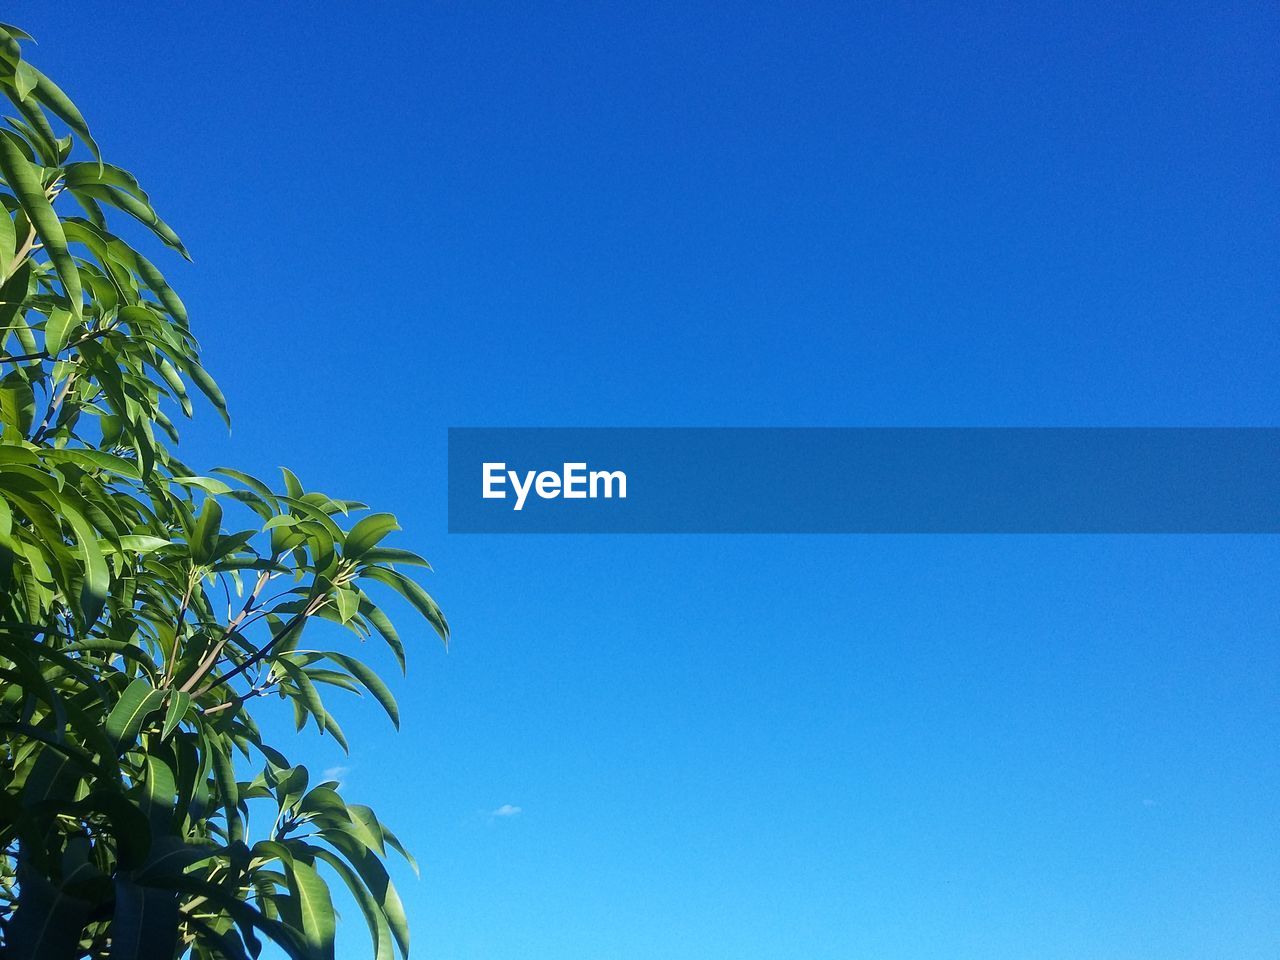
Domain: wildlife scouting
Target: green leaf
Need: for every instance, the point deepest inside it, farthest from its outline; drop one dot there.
(171, 376)
(375, 877)
(154, 279)
(393, 555)
(25, 183)
(143, 543)
(179, 702)
(254, 484)
(17, 407)
(160, 793)
(24, 79)
(292, 486)
(8, 238)
(56, 329)
(317, 922)
(324, 800)
(308, 696)
(348, 602)
(204, 538)
(394, 843)
(366, 828)
(412, 592)
(106, 174)
(291, 787)
(382, 623)
(140, 210)
(210, 389)
(48, 921)
(207, 484)
(379, 932)
(372, 682)
(97, 576)
(145, 923)
(17, 33)
(60, 105)
(331, 727)
(364, 536)
(170, 856)
(224, 773)
(125, 720)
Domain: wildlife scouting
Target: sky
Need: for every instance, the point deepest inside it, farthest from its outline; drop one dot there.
(411, 216)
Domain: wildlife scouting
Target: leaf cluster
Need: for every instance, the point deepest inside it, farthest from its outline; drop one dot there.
(145, 609)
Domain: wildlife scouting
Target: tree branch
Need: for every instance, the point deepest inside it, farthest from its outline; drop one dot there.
(297, 621)
(46, 355)
(211, 658)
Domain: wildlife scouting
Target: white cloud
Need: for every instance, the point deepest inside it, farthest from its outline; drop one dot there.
(336, 773)
(506, 810)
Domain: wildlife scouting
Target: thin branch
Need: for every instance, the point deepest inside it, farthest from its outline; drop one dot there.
(46, 355)
(177, 627)
(236, 701)
(24, 251)
(210, 659)
(297, 621)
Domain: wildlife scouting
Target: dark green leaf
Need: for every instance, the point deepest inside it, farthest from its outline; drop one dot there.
(372, 682)
(126, 718)
(47, 922)
(145, 923)
(412, 592)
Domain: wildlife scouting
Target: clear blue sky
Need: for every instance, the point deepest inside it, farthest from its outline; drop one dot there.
(407, 216)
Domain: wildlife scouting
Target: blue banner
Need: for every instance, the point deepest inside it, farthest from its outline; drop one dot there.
(864, 480)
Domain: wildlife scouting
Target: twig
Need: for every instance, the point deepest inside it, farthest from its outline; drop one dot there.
(46, 355)
(297, 620)
(207, 663)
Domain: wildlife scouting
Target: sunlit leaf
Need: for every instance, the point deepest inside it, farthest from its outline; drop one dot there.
(25, 182)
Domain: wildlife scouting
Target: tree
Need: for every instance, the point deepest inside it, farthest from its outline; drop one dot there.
(144, 608)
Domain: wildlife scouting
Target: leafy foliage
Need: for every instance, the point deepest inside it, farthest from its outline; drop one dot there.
(144, 608)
